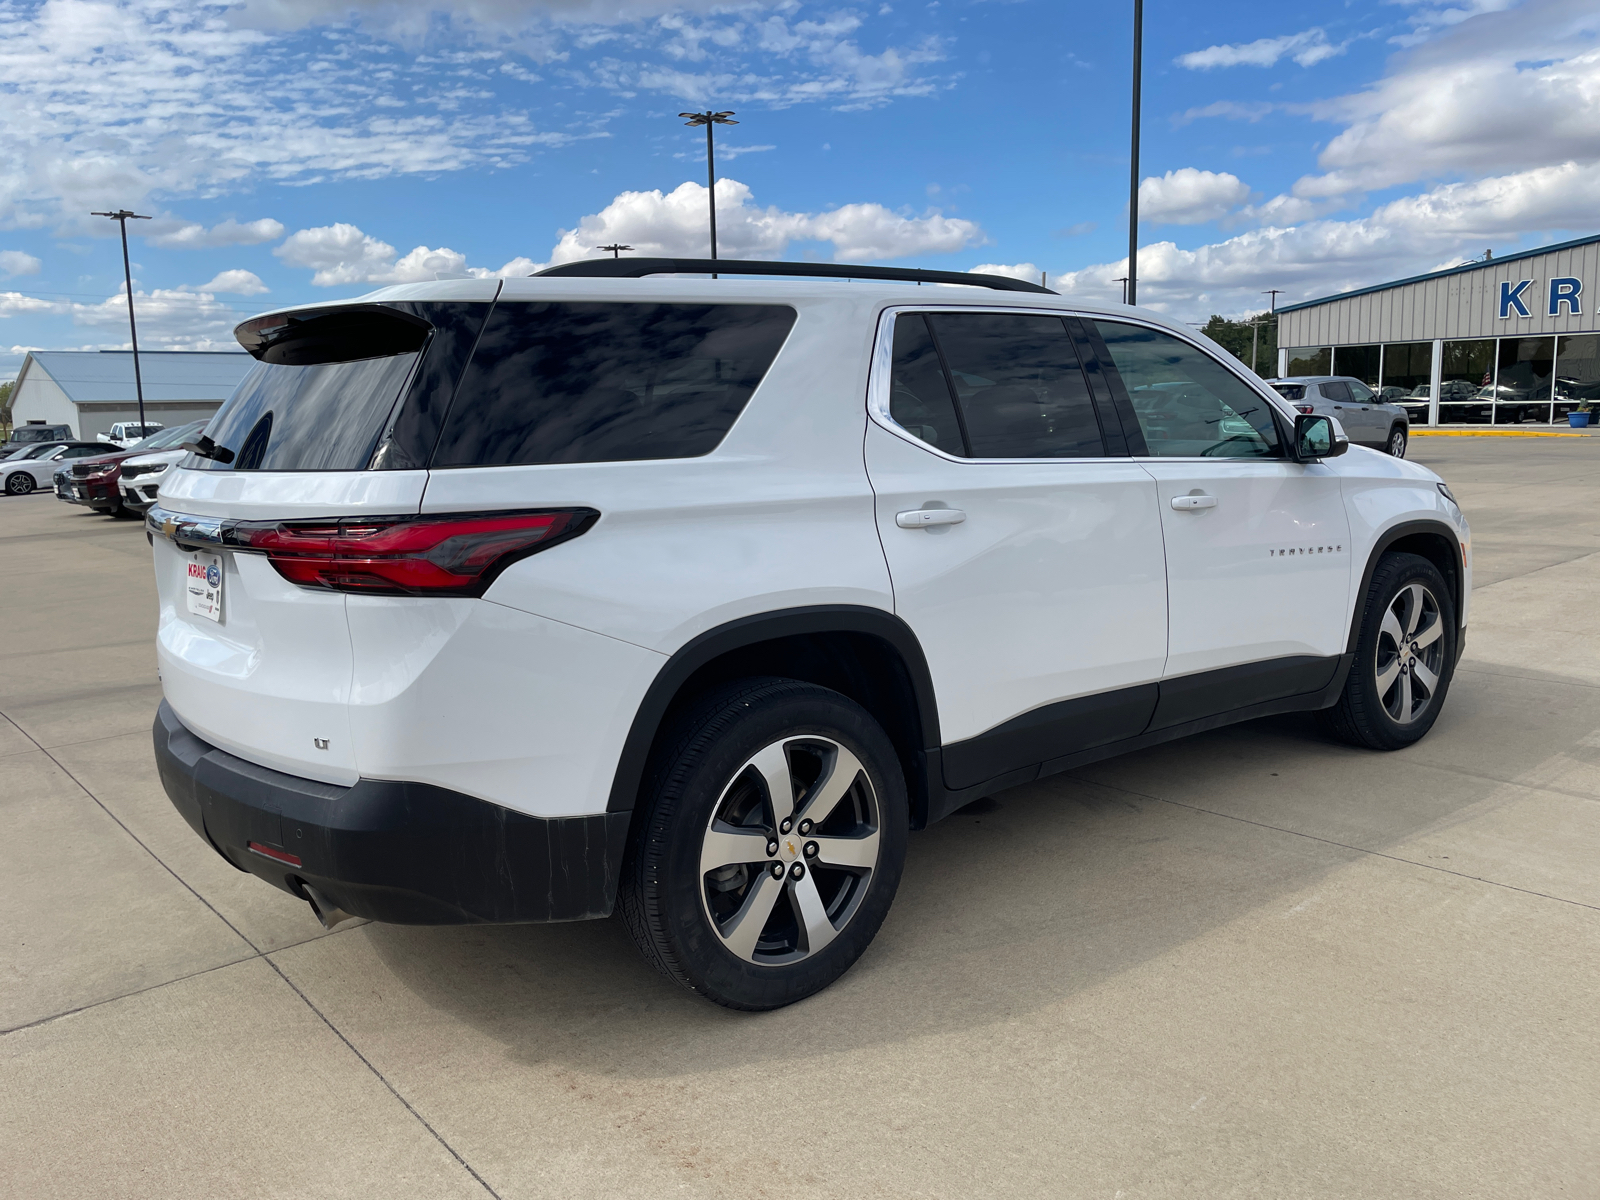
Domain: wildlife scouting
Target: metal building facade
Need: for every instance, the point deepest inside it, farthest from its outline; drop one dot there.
(1518, 333)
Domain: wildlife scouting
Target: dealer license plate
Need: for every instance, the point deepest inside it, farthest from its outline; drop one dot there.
(204, 585)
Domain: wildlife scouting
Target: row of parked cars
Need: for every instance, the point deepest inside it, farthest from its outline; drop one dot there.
(121, 482)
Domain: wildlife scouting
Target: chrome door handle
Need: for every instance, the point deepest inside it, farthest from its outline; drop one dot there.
(925, 518)
(1189, 503)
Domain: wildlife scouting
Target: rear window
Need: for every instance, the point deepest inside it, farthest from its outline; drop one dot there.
(1290, 391)
(320, 394)
(600, 382)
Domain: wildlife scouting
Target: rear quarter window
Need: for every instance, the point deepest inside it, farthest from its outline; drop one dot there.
(571, 382)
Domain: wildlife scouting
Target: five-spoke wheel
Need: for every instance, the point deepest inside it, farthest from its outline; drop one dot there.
(770, 844)
(1405, 653)
(1397, 442)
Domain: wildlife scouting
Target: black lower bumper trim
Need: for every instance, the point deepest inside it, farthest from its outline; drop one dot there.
(406, 853)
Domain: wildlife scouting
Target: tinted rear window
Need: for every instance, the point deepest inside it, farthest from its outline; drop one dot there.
(321, 392)
(591, 382)
(1290, 391)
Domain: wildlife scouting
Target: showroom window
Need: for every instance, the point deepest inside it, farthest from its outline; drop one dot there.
(1577, 373)
(1359, 362)
(1522, 384)
(1466, 382)
(1308, 360)
(1407, 372)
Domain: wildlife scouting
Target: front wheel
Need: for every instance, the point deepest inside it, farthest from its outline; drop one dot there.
(770, 846)
(1405, 657)
(1397, 442)
(19, 483)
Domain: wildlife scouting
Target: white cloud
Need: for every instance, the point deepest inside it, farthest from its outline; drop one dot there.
(1501, 91)
(657, 224)
(172, 234)
(1307, 48)
(236, 283)
(15, 303)
(19, 262)
(1023, 270)
(1189, 196)
(673, 224)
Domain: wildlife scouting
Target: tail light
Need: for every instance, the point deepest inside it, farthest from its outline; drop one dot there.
(1304, 409)
(456, 554)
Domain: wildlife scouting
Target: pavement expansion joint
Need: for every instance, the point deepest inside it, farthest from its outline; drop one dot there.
(1357, 849)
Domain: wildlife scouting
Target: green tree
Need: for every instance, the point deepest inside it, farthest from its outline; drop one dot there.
(1234, 337)
(5, 406)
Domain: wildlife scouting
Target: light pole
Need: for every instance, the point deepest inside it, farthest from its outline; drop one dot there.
(122, 216)
(1133, 171)
(616, 249)
(708, 119)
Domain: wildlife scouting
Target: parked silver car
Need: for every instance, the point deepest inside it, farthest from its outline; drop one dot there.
(1367, 420)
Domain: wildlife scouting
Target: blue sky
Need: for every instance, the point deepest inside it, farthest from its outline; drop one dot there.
(297, 150)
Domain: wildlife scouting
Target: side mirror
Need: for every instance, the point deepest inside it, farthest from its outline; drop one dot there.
(1314, 438)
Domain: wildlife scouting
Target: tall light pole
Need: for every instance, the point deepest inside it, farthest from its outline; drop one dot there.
(708, 119)
(122, 216)
(1133, 171)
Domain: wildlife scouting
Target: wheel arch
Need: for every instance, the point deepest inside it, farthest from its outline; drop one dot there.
(868, 654)
(1432, 540)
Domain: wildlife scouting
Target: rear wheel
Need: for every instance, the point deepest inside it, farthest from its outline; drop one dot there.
(1405, 657)
(19, 483)
(1397, 442)
(771, 844)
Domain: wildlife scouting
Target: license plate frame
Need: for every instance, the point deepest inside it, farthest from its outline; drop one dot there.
(203, 577)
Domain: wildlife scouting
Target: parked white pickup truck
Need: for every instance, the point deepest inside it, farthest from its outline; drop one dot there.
(125, 433)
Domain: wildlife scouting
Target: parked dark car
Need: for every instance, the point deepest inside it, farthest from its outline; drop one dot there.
(31, 434)
(94, 482)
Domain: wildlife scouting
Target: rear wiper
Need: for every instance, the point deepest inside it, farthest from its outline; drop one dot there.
(206, 448)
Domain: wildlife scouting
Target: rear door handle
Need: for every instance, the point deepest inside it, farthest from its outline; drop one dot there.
(1189, 503)
(924, 518)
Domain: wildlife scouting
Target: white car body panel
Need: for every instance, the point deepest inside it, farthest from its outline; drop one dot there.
(525, 697)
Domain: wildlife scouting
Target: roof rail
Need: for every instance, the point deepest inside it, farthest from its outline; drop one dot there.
(637, 268)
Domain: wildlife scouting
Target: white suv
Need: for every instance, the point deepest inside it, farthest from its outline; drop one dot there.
(512, 601)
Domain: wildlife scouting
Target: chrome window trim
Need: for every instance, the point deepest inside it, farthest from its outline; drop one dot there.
(883, 364)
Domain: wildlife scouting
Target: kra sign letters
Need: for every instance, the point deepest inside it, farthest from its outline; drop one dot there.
(1566, 290)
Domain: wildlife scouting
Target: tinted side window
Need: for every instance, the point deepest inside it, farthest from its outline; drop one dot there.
(1020, 387)
(919, 398)
(581, 382)
(1188, 404)
(1336, 390)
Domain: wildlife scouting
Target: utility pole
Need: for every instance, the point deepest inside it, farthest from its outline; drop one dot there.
(1274, 293)
(122, 216)
(616, 249)
(1123, 280)
(708, 119)
(1133, 170)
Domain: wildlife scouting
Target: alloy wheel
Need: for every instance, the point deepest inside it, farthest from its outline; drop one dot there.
(1410, 653)
(789, 851)
(20, 484)
(1397, 443)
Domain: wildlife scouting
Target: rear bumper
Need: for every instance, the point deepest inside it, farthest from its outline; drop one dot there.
(406, 853)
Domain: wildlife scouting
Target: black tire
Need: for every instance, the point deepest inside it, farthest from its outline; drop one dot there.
(667, 898)
(19, 483)
(1397, 442)
(1379, 708)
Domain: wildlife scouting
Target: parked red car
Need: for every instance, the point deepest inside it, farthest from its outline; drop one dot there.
(93, 482)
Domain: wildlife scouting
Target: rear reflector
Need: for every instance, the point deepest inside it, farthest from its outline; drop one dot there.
(282, 856)
(456, 554)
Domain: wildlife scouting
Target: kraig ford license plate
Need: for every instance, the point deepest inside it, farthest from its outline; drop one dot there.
(204, 585)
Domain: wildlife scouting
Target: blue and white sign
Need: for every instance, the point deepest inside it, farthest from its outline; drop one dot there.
(1564, 292)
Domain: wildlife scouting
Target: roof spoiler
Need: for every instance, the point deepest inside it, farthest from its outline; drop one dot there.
(638, 268)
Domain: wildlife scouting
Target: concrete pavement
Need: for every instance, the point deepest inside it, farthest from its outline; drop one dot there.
(1254, 963)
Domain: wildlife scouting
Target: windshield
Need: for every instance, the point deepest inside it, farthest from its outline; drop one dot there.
(38, 434)
(170, 439)
(39, 451)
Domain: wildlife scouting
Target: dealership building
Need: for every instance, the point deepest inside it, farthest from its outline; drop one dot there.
(1503, 341)
(90, 390)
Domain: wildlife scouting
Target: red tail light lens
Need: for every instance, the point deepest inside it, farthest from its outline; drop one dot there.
(457, 554)
(1304, 409)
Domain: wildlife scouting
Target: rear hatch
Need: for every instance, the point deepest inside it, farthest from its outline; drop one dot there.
(326, 428)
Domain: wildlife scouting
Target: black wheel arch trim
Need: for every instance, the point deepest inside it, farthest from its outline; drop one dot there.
(748, 631)
(1387, 538)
